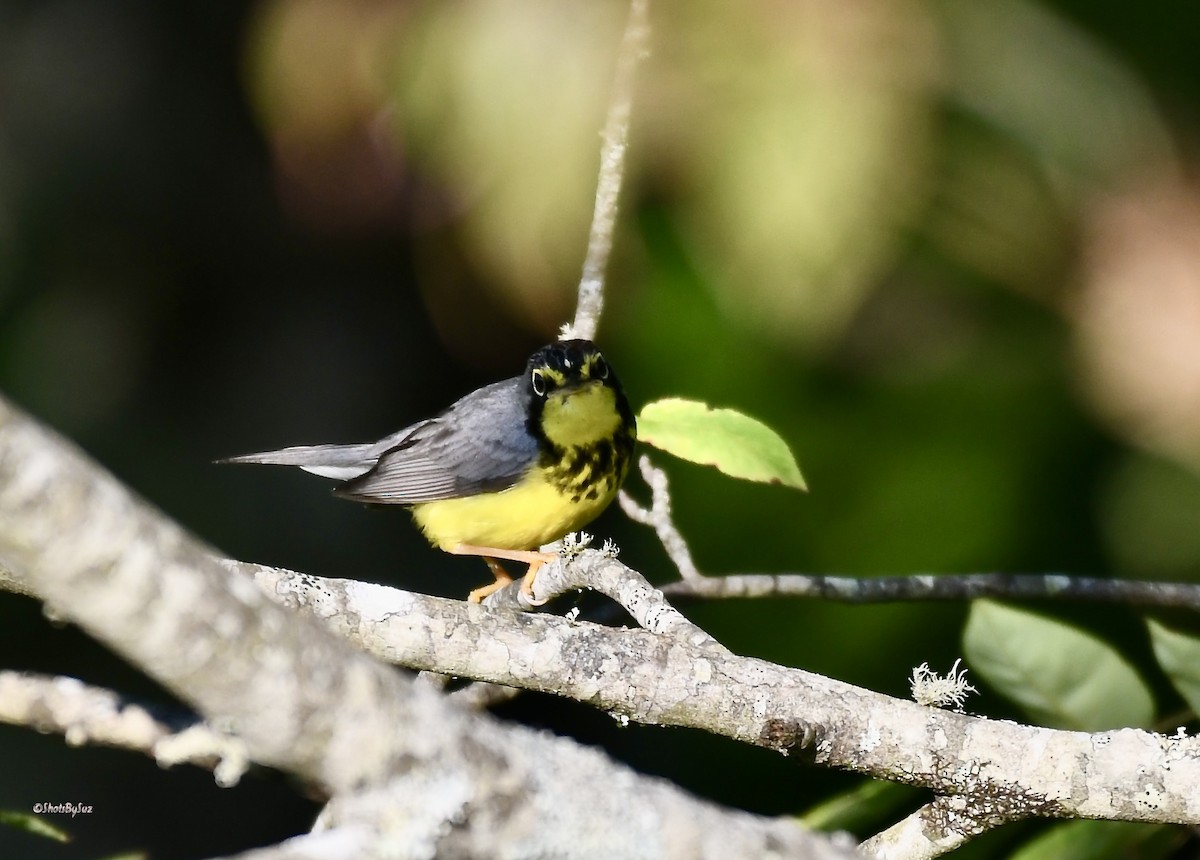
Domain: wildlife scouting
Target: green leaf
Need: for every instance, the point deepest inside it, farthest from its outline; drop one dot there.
(1086, 840)
(866, 807)
(1179, 655)
(32, 824)
(734, 443)
(1062, 676)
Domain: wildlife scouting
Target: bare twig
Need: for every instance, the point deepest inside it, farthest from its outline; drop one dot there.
(883, 589)
(82, 713)
(612, 171)
(658, 517)
(85, 714)
(896, 588)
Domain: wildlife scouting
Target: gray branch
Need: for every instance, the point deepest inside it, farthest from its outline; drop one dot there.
(932, 586)
(664, 680)
(578, 569)
(309, 703)
(612, 172)
(85, 714)
(397, 760)
(658, 516)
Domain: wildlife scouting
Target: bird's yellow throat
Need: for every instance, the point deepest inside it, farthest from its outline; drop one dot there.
(580, 417)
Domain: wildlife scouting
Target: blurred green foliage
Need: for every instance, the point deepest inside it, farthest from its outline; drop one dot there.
(944, 248)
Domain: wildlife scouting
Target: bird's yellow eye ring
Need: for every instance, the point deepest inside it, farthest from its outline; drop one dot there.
(599, 368)
(538, 380)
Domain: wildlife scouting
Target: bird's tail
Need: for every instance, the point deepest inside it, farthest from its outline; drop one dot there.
(341, 462)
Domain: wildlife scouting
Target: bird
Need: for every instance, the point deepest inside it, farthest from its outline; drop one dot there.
(506, 469)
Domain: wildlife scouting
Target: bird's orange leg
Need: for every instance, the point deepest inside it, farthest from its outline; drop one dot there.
(533, 558)
(503, 578)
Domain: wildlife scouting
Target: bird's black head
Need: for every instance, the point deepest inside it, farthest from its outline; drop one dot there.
(567, 364)
(575, 397)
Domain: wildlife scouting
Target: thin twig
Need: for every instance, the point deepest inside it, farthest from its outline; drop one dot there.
(967, 586)
(612, 173)
(658, 516)
(885, 589)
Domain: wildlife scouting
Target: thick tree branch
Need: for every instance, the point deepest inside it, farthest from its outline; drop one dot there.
(134, 580)
(661, 680)
(396, 758)
(1022, 770)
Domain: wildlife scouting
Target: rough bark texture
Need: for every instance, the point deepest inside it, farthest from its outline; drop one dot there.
(409, 775)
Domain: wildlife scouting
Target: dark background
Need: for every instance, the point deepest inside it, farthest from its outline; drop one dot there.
(947, 252)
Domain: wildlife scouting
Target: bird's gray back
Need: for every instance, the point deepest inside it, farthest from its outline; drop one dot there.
(480, 444)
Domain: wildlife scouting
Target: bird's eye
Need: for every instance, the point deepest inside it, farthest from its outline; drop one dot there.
(599, 368)
(538, 379)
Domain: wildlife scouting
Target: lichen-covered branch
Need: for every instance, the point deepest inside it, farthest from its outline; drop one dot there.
(935, 829)
(655, 679)
(85, 714)
(398, 761)
(579, 569)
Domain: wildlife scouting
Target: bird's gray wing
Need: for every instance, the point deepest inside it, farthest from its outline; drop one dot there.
(480, 444)
(341, 462)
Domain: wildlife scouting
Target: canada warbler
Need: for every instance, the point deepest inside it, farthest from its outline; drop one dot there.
(508, 468)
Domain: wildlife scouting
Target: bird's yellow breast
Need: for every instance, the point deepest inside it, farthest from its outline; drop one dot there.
(532, 512)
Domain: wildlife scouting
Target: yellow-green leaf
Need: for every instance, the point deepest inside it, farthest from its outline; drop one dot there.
(734, 443)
